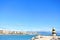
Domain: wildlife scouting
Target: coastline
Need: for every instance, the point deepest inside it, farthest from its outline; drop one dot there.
(39, 37)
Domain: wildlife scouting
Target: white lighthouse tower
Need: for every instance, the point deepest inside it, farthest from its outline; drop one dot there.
(54, 37)
(53, 32)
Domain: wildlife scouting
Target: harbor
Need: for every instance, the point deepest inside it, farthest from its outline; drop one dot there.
(29, 19)
(52, 37)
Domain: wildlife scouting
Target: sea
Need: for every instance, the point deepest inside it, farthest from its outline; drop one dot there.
(16, 37)
(22, 37)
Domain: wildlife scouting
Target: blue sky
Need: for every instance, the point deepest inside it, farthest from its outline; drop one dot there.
(30, 15)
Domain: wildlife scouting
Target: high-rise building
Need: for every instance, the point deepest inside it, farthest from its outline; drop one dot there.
(1, 31)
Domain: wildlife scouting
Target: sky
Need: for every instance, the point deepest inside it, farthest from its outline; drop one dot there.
(30, 15)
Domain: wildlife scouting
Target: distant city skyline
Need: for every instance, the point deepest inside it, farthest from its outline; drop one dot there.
(30, 15)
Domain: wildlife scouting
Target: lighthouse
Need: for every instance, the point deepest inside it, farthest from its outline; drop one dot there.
(53, 32)
(54, 37)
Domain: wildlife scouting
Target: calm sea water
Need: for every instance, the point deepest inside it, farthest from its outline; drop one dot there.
(48, 33)
(16, 37)
(22, 37)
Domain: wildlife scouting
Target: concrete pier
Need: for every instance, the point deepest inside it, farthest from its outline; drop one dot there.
(52, 37)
